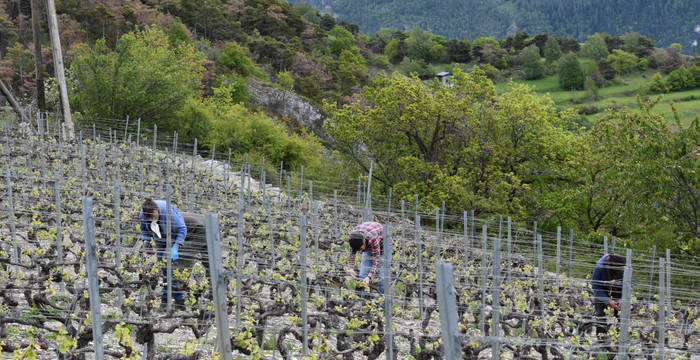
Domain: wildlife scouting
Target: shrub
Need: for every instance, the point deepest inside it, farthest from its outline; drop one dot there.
(679, 79)
(570, 73)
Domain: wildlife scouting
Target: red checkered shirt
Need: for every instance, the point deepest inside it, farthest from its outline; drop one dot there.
(373, 232)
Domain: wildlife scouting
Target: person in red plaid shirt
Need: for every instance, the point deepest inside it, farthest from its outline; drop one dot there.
(367, 239)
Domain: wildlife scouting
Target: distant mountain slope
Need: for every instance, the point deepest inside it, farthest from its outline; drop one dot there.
(667, 22)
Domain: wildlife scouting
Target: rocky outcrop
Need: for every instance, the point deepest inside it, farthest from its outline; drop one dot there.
(282, 102)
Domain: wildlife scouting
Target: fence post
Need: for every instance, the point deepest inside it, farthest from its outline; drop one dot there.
(270, 226)
(571, 248)
(117, 233)
(668, 280)
(467, 245)
(540, 276)
(419, 247)
(451, 342)
(359, 190)
(304, 295)
(482, 285)
(625, 316)
(662, 308)
(155, 137)
(534, 241)
(126, 127)
(335, 214)
(605, 245)
(239, 255)
(510, 250)
(495, 300)
(59, 218)
(612, 249)
(168, 245)
(218, 285)
(138, 132)
(651, 272)
(13, 236)
(388, 330)
(316, 230)
(558, 256)
(439, 234)
(93, 286)
(301, 183)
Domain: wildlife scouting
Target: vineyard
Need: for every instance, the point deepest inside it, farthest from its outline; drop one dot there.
(520, 293)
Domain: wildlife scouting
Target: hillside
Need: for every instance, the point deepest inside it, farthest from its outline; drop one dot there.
(291, 86)
(284, 257)
(667, 22)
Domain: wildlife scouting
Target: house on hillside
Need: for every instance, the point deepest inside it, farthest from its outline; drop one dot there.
(444, 77)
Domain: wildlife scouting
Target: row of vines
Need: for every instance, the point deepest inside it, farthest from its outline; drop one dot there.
(44, 302)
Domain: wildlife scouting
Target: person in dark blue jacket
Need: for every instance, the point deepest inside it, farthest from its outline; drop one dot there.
(188, 240)
(607, 284)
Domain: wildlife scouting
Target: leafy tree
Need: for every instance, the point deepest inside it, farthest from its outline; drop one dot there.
(395, 50)
(570, 73)
(640, 176)
(327, 22)
(418, 44)
(340, 39)
(568, 44)
(144, 78)
(595, 48)
(695, 71)
(531, 62)
(461, 144)
(307, 12)
(623, 62)
(234, 58)
(680, 79)
(672, 60)
(177, 34)
(606, 69)
(552, 51)
(458, 51)
(657, 84)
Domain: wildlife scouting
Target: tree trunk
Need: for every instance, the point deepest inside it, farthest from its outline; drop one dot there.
(68, 128)
(5, 91)
(38, 61)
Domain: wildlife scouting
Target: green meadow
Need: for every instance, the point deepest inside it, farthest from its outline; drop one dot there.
(622, 92)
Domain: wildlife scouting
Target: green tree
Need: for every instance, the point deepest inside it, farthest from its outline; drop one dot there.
(595, 48)
(177, 34)
(640, 176)
(419, 43)
(532, 64)
(458, 51)
(340, 39)
(233, 57)
(144, 78)
(462, 144)
(679, 79)
(552, 51)
(570, 72)
(623, 62)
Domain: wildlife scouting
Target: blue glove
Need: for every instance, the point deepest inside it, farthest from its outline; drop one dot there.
(173, 253)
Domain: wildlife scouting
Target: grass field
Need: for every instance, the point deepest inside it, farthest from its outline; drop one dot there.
(623, 93)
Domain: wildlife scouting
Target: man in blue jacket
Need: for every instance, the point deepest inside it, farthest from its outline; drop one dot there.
(188, 240)
(607, 286)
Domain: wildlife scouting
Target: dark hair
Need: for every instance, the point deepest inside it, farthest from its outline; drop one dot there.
(616, 266)
(148, 207)
(356, 240)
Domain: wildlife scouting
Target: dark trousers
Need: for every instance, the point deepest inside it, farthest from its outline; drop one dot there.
(194, 249)
(601, 320)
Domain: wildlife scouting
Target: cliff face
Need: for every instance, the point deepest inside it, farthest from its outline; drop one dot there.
(282, 102)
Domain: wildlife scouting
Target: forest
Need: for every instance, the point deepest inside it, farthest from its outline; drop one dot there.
(575, 156)
(666, 22)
